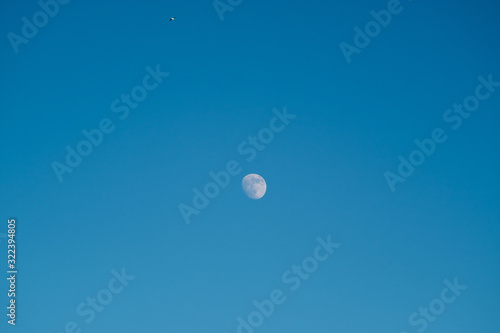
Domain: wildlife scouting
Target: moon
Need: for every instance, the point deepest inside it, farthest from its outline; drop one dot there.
(254, 186)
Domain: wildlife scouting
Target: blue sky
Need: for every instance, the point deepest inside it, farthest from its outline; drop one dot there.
(119, 208)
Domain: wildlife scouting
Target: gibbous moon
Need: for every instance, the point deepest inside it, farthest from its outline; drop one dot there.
(254, 186)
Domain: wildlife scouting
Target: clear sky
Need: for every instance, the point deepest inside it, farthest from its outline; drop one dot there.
(331, 167)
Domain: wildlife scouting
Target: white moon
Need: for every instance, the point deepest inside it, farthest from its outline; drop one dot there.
(254, 186)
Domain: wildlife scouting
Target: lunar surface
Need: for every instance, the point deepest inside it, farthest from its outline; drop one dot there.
(254, 186)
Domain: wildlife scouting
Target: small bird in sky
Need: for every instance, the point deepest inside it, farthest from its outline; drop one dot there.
(171, 19)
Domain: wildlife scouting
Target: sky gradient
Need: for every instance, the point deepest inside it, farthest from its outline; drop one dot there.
(176, 101)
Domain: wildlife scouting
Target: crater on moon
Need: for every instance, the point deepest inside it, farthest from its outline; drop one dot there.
(254, 186)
